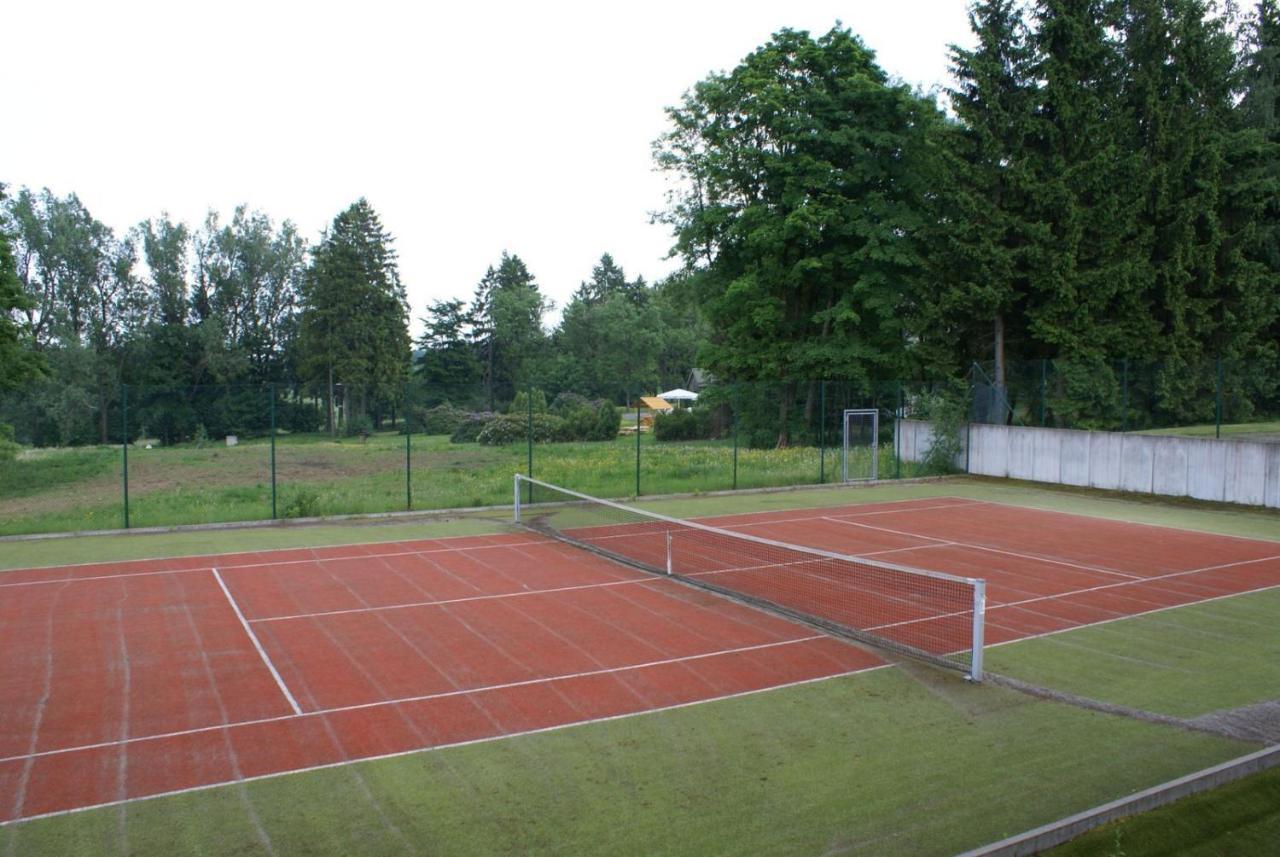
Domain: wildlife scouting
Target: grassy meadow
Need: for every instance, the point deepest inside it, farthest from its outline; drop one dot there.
(77, 489)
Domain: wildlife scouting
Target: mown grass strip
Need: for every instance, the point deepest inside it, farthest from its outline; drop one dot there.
(1239, 818)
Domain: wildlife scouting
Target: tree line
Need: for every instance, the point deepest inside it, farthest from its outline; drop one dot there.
(199, 322)
(236, 303)
(1099, 187)
(1103, 190)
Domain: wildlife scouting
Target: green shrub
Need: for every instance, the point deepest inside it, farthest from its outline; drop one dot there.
(695, 424)
(947, 410)
(302, 503)
(442, 419)
(361, 425)
(567, 402)
(598, 420)
(299, 417)
(8, 446)
(608, 421)
(468, 431)
(520, 404)
(514, 428)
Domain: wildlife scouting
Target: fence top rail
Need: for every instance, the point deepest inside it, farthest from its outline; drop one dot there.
(760, 540)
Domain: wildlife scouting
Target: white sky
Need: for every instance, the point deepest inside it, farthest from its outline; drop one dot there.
(472, 129)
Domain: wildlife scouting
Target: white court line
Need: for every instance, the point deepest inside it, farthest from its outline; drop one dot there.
(714, 521)
(1135, 615)
(267, 564)
(964, 502)
(1016, 554)
(711, 521)
(460, 600)
(649, 578)
(425, 551)
(218, 556)
(420, 698)
(486, 740)
(257, 644)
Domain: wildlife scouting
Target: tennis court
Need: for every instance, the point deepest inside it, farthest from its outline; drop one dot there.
(132, 679)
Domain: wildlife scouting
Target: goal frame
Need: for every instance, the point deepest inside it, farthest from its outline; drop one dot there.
(874, 413)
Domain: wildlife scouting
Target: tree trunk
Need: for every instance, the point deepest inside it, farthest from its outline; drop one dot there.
(999, 353)
(810, 402)
(784, 409)
(1001, 399)
(102, 415)
(489, 372)
(333, 428)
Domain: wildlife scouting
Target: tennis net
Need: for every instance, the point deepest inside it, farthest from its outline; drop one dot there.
(925, 614)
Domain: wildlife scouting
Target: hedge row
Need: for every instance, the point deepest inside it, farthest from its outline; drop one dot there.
(569, 418)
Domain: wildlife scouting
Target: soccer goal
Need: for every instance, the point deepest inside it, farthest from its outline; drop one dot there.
(860, 459)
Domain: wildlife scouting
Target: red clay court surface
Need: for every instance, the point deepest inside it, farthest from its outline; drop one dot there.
(132, 679)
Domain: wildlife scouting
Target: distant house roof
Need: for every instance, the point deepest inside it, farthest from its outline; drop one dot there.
(656, 403)
(699, 378)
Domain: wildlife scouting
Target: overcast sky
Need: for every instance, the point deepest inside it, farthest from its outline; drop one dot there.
(471, 128)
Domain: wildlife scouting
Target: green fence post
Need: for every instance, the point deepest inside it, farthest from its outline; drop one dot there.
(736, 405)
(408, 453)
(272, 389)
(968, 442)
(124, 449)
(1217, 407)
(637, 445)
(529, 434)
(822, 432)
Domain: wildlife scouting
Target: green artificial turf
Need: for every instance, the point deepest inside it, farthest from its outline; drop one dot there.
(895, 761)
(1183, 662)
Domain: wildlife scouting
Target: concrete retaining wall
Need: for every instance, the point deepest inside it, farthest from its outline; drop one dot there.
(1228, 471)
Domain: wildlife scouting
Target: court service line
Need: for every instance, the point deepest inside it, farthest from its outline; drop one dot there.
(649, 577)
(261, 564)
(467, 743)
(1015, 554)
(715, 520)
(1062, 596)
(1153, 610)
(900, 511)
(340, 709)
(446, 601)
(257, 644)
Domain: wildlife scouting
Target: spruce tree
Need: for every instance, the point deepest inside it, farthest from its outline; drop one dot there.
(354, 321)
(971, 307)
(1088, 287)
(506, 313)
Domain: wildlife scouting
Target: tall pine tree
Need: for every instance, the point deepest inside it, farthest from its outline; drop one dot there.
(354, 323)
(972, 306)
(506, 314)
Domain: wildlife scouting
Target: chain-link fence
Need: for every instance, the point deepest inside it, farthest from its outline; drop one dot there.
(147, 456)
(1123, 395)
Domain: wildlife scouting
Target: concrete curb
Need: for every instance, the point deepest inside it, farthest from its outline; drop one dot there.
(437, 513)
(1066, 829)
